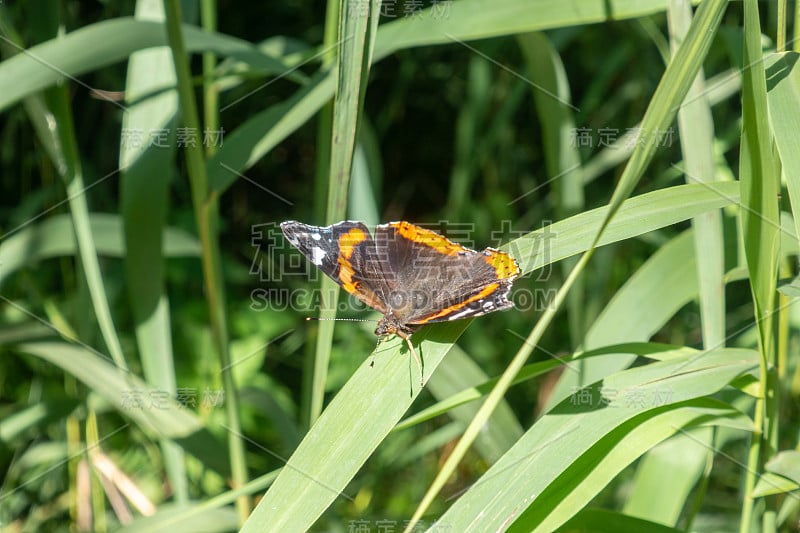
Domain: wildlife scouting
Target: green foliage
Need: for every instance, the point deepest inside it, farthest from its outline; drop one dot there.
(639, 159)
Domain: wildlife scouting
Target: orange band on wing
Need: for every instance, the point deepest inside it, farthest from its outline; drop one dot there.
(346, 276)
(489, 289)
(347, 245)
(429, 238)
(350, 240)
(503, 264)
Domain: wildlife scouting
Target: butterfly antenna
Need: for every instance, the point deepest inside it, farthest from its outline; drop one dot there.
(344, 319)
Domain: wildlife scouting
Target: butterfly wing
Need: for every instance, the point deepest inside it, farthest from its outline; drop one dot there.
(346, 253)
(436, 280)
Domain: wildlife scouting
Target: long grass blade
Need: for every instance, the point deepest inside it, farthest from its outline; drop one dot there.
(759, 218)
(206, 212)
(69, 166)
(354, 47)
(144, 182)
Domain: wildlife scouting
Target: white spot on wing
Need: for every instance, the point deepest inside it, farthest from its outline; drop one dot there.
(316, 236)
(317, 255)
(465, 312)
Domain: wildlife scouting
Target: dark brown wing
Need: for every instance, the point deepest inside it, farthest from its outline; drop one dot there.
(434, 279)
(345, 252)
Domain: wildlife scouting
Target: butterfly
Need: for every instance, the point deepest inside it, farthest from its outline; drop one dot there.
(410, 274)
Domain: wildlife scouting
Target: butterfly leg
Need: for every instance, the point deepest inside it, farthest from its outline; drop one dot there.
(407, 338)
(377, 344)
